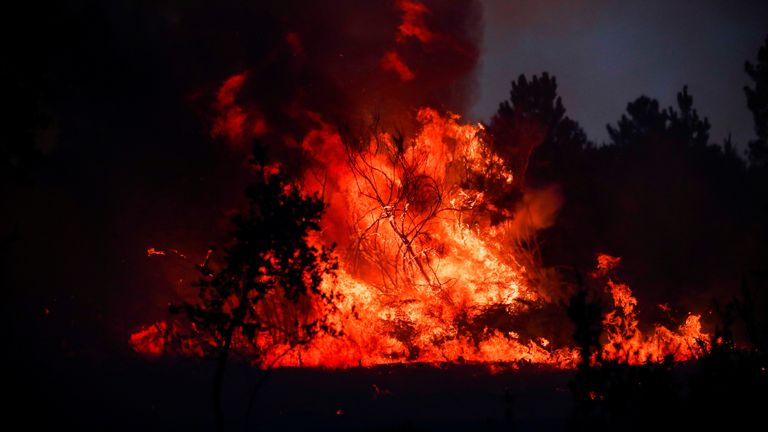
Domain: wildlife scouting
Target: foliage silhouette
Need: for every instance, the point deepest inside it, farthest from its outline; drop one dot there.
(659, 175)
(725, 385)
(729, 381)
(267, 288)
(532, 132)
(697, 204)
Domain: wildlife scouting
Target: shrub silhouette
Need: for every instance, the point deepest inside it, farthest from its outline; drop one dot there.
(266, 290)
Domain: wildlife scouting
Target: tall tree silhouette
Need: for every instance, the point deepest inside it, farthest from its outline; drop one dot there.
(267, 287)
(686, 195)
(757, 101)
(531, 130)
(659, 181)
(544, 147)
(646, 124)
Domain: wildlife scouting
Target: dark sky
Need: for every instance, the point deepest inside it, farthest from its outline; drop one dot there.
(606, 53)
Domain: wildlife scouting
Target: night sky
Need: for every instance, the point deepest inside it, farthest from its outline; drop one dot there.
(606, 53)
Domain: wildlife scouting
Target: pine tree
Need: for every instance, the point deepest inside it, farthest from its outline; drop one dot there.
(531, 130)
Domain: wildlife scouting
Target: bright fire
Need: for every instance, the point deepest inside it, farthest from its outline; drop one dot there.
(436, 235)
(432, 269)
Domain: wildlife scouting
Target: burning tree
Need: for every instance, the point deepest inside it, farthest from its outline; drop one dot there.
(264, 295)
(431, 240)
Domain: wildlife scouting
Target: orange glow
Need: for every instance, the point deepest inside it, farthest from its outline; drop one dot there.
(411, 26)
(626, 342)
(427, 257)
(234, 122)
(606, 263)
(392, 62)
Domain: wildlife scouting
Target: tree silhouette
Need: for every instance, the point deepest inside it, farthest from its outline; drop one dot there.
(662, 176)
(532, 132)
(757, 101)
(543, 147)
(266, 291)
(646, 124)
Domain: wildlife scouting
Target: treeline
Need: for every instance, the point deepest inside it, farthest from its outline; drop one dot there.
(687, 214)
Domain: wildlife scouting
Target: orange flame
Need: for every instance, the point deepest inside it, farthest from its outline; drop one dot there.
(626, 342)
(424, 264)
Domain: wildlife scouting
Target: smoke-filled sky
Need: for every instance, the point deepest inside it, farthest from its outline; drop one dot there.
(606, 53)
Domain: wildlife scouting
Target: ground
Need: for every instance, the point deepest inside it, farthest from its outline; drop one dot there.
(175, 394)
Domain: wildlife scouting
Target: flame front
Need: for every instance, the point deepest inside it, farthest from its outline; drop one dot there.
(433, 268)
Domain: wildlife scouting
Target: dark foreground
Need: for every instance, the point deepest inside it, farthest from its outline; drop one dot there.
(137, 394)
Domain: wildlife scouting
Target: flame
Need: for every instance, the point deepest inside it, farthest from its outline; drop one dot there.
(626, 342)
(427, 257)
(422, 256)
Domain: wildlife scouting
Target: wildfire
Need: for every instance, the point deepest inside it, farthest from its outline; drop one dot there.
(625, 340)
(435, 232)
(432, 270)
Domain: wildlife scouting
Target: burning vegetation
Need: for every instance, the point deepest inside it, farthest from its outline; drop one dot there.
(381, 228)
(434, 222)
(300, 187)
(434, 266)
